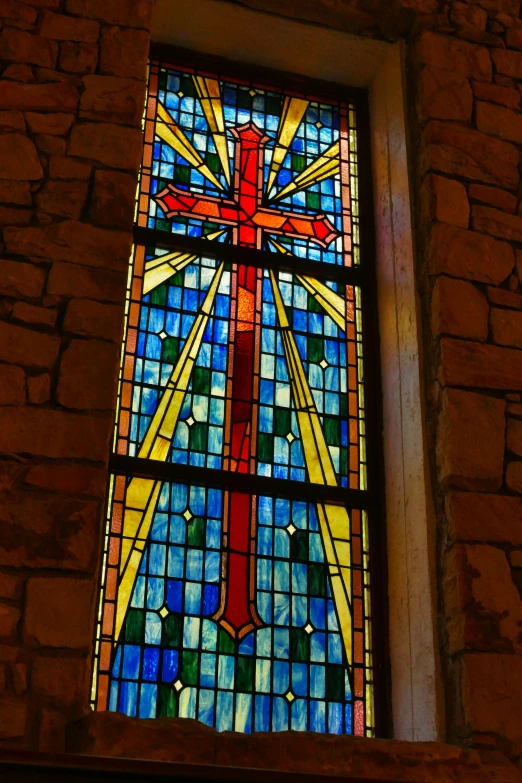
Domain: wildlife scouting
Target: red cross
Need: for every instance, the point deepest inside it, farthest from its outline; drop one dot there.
(249, 219)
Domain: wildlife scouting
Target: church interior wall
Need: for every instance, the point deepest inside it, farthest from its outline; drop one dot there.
(71, 98)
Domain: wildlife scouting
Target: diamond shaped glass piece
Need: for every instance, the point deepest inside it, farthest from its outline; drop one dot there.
(290, 437)
(308, 628)
(289, 697)
(163, 611)
(252, 92)
(318, 124)
(187, 515)
(163, 335)
(181, 94)
(178, 685)
(323, 363)
(190, 421)
(291, 529)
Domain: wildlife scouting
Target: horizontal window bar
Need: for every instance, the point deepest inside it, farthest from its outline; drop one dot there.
(242, 255)
(239, 482)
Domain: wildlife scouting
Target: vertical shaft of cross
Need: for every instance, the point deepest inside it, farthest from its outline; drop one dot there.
(237, 611)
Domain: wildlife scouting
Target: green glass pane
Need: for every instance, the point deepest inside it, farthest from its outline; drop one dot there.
(189, 667)
(298, 162)
(299, 644)
(282, 421)
(167, 702)
(172, 630)
(181, 173)
(334, 683)
(316, 579)
(343, 404)
(196, 532)
(225, 642)
(272, 105)
(244, 99)
(299, 545)
(265, 447)
(313, 305)
(213, 162)
(198, 436)
(244, 674)
(186, 86)
(331, 431)
(313, 200)
(170, 349)
(315, 349)
(134, 626)
(201, 380)
(343, 461)
(159, 295)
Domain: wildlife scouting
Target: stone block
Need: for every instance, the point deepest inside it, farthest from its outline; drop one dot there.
(514, 476)
(18, 158)
(38, 97)
(27, 347)
(20, 46)
(443, 95)
(128, 13)
(9, 619)
(514, 38)
(481, 366)
(14, 192)
(494, 196)
(70, 280)
(49, 531)
(514, 437)
(112, 202)
(12, 385)
(62, 681)
(507, 327)
(112, 99)
(124, 52)
(499, 121)
(469, 255)
(92, 319)
(459, 151)
(88, 375)
(495, 93)
(458, 308)
(11, 586)
(60, 27)
(508, 63)
(461, 458)
(444, 200)
(21, 12)
(500, 296)
(39, 389)
(466, 58)
(51, 731)
(491, 685)
(80, 58)
(50, 145)
(31, 314)
(113, 145)
(15, 216)
(478, 516)
(62, 167)
(63, 198)
(54, 124)
(54, 433)
(19, 675)
(466, 15)
(19, 73)
(58, 612)
(13, 717)
(11, 121)
(69, 240)
(515, 558)
(68, 478)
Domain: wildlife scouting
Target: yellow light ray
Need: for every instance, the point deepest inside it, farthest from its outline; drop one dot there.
(331, 302)
(159, 269)
(172, 134)
(293, 112)
(327, 165)
(210, 99)
(142, 493)
(334, 522)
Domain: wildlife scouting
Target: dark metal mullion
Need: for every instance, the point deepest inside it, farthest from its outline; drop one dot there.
(242, 482)
(241, 255)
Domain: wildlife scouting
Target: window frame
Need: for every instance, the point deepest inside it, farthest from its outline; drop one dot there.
(363, 276)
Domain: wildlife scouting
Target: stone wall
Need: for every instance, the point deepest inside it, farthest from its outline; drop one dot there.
(71, 94)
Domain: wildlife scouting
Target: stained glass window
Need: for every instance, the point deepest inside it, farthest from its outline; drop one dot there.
(236, 573)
